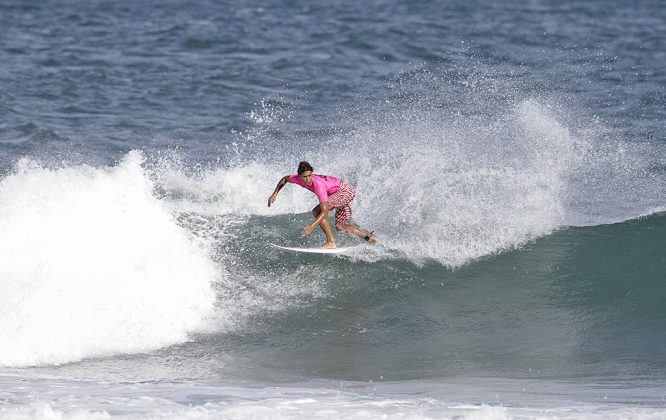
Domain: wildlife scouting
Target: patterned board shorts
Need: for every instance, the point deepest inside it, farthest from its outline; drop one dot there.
(341, 202)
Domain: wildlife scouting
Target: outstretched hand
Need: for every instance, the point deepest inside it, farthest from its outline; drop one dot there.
(271, 199)
(307, 230)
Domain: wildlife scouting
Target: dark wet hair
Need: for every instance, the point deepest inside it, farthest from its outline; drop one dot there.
(304, 167)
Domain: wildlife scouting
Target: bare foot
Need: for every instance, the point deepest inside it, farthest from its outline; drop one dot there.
(328, 245)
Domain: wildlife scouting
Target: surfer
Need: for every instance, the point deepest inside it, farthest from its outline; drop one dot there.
(332, 193)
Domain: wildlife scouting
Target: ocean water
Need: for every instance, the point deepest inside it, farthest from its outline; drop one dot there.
(510, 156)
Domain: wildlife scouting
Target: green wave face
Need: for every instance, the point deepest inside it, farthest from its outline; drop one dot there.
(584, 301)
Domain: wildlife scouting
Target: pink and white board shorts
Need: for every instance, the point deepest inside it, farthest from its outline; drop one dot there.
(341, 202)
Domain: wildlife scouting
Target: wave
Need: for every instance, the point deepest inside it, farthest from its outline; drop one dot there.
(93, 264)
(451, 167)
(141, 255)
(434, 185)
(450, 196)
(581, 302)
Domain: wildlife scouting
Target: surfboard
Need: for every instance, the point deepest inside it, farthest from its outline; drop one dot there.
(313, 250)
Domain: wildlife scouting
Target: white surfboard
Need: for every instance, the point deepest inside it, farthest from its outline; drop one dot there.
(313, 250)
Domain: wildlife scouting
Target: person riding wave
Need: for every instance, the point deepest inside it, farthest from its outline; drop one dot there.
(333, 193)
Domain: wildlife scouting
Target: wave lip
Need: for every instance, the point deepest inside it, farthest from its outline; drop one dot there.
(94, 265)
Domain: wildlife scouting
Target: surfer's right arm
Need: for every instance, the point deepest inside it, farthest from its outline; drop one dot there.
(279, 186)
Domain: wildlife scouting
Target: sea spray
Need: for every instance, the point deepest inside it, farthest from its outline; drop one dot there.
(230, 191)
(92, 264)
(451, 167)
(451, 187)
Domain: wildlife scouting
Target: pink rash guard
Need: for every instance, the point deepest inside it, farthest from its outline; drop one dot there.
(322, 185)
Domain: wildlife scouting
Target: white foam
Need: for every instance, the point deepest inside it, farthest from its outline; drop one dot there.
(241, 190)
(299, 403)
(448, 188)
(93, 264)
(457, 188)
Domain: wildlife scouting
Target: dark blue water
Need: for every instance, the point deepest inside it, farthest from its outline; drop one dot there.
(116, 75)
(510, 156)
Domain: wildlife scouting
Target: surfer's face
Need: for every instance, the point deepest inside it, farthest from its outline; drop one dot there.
(306, 177)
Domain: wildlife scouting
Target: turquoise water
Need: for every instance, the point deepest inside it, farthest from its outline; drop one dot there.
(510, 157)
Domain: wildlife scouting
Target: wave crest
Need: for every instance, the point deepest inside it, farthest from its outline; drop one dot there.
(94, 265)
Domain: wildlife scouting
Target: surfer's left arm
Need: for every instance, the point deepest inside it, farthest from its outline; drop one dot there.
(323, 214)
